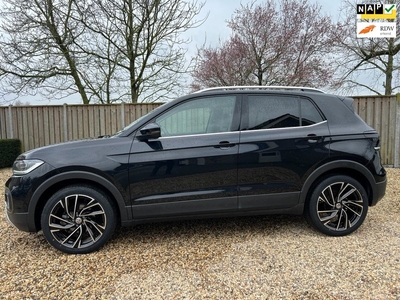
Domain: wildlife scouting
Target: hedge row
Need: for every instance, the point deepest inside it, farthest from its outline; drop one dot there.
(9, 150)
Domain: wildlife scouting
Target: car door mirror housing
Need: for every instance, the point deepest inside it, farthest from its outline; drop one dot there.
(150, 131)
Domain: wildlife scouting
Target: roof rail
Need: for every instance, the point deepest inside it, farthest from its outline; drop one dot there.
(262, 87)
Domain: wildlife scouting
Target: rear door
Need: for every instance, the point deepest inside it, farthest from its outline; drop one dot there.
(283, 139)
(192, 168)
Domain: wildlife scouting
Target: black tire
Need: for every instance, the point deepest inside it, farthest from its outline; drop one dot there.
(337, 206)
(78, 219)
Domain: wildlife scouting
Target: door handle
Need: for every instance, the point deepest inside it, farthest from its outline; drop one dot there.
(224, 145)
(313, 138)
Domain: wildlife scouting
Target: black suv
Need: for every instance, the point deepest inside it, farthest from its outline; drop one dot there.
(228, 151)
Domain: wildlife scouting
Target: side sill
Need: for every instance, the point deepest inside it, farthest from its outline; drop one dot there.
(183, 208)
(296, 210)
(271, 201)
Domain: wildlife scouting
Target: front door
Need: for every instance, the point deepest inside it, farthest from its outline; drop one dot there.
(192, 167)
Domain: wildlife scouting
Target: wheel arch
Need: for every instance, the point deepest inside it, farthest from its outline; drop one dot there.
(59, 181)
(343, 167)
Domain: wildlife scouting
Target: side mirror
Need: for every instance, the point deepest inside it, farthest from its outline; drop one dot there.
(150, 131)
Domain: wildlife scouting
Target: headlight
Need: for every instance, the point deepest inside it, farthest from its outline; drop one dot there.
(22, 167)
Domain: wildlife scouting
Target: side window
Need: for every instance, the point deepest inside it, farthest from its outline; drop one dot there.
(274, 111)
(198, 116)
(310, 115)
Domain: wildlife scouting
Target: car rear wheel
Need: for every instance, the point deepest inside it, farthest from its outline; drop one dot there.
(78, 219)
(337, 206)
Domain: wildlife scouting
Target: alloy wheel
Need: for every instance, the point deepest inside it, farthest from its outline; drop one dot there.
(340, 206)
(77, 221)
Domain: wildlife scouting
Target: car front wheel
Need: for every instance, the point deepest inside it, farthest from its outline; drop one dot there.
(337, 206)
(78, 219)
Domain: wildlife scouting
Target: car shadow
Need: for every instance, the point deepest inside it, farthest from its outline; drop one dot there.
(221, 228)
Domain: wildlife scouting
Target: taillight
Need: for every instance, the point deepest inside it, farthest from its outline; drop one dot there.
(377, 143)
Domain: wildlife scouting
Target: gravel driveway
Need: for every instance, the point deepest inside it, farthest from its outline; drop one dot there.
(273, 257)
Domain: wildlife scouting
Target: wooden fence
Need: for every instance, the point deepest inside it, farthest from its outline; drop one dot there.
(38, 126)
(383, 114)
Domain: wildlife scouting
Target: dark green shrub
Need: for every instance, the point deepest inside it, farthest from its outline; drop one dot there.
(9, 150)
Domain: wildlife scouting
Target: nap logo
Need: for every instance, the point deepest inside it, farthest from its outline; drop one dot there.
(376, 30)
(376, 11)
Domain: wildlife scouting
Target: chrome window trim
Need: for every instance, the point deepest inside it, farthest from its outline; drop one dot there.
(285, 128)
(242, 131)
(196, 135)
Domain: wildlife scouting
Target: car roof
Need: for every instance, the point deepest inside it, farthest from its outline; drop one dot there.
(261, 88)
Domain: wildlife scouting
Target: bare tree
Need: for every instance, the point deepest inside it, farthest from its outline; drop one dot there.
(371, 63)
(36, 48)
(106, 51)
(307, 54)
(271, 44)
(145, 54)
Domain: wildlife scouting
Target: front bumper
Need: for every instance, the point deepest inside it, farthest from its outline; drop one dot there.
(19, 219)
(18, 194)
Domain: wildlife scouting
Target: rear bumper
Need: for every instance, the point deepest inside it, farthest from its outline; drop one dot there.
(379, 192)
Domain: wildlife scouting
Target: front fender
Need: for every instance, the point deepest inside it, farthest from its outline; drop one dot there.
(77, 175)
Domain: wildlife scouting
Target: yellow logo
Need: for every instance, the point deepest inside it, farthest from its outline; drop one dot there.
(376, 11)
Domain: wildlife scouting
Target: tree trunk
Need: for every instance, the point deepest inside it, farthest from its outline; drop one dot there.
(389, 69)
(75, 75)
(135, 95)
(51, 24)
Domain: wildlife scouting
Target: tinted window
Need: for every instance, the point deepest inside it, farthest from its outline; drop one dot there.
(199, 116)
(309, 113)
(271, 111)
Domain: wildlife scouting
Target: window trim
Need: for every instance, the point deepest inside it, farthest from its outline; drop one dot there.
(197, 135)
(286, 128)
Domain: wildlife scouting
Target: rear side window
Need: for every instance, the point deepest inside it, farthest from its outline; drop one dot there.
(274, 111)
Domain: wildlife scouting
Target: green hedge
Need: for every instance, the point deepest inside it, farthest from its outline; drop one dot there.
(9, 150)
